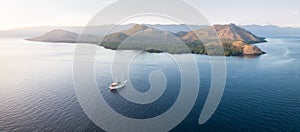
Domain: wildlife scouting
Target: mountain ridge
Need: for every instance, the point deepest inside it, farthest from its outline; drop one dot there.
(229, 32)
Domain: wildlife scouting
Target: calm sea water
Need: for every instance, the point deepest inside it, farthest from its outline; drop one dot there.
(37, 93)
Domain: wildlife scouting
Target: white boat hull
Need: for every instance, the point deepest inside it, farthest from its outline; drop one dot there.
(121, 85)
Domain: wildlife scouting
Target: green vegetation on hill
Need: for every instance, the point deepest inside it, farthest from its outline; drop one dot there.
(176, 48)
(193, 47)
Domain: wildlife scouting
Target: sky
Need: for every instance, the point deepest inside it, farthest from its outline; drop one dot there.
(26, 13)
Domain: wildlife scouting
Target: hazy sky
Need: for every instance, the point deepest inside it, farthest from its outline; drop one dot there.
(23, 13)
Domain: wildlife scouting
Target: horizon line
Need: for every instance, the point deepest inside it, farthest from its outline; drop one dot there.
(280, 26)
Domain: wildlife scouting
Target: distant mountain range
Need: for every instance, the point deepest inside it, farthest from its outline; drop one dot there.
(235, 40)
(28, 32)
(271, 30)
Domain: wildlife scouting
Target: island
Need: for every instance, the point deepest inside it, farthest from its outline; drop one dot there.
(235, 40)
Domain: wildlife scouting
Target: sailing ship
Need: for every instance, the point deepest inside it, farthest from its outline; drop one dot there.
(118, 85)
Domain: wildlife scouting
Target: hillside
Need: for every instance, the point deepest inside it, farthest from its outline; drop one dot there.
(229, 36)
(57, 35)
(141, 37)
(63, 36)
(118, 37)
(226, 33)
